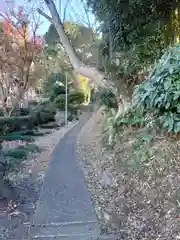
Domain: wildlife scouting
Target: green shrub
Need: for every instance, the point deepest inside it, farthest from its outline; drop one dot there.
(17, 112)
(22, 112)
(106, 98)
(70, 118)
(14, 157)
(60, 102)
(114, 125)
(160, 94)
(17, 153)
(14, 136)
(51, 86)
(25, 133)
(11, 124)
(29, 148)
(50, 125)
(43, 113)
(38, 134)
(76, 97)
(32, 103)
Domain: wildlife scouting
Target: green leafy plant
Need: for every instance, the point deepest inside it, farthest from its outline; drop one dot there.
(16, 136)
(49, 125)
(29, 133)
(43, 113)
(106, 98)
(160, 94)
(15, 123)
(14, 157)
(113, 125)
(76, 97)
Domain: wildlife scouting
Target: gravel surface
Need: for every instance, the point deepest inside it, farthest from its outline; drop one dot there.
(28, 182)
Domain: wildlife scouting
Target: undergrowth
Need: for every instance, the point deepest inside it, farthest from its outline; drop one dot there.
(147, 169)
(14, 157)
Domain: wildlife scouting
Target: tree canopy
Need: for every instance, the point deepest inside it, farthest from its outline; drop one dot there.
(147, 22)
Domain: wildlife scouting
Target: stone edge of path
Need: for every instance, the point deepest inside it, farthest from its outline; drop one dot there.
(95, 113)
(67, 128)
(63, 131)
(92, 146)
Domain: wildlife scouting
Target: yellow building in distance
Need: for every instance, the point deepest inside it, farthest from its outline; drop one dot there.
(86, 88)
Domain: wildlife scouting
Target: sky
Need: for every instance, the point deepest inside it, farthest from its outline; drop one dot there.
(75, 12)
(4, 7)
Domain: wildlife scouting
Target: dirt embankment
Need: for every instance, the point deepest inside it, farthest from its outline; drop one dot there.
(135, 186)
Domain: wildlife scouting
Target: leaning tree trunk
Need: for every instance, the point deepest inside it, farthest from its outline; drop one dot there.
(94, 74)
(88, 71)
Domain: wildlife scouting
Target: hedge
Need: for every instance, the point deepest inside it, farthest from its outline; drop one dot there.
(43, 113)
(40, 114)
(13, 123)
(17, 112)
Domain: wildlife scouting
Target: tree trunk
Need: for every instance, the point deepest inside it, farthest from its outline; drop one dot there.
(97, 76)
(124, 104)
(88, 71)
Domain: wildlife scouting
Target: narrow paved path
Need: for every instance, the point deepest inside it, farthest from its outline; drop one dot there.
(65, 210)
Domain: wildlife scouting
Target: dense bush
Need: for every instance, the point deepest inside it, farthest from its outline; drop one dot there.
(21, 112)
(75, 97)
(160, 94)
(43, 113)
(50, 125)
(14, 157)
(16, 112)
(40, 114)
(113, 125)
(24, 135)
(54, 85)
(13, 136)
(10, 124)
(60, 102)
(106, 97)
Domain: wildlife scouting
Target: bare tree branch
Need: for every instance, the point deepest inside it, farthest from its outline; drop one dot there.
(88, 71)
(44, 15)
(65, 10)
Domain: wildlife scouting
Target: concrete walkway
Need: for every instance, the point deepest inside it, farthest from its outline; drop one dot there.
(65, 210)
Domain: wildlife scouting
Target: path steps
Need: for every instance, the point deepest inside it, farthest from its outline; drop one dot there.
(69, 231)
(63, 231)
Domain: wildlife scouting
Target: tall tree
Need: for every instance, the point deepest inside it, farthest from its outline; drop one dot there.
(18, 58)
(86, 70)
(127, 25)
(92, 72)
